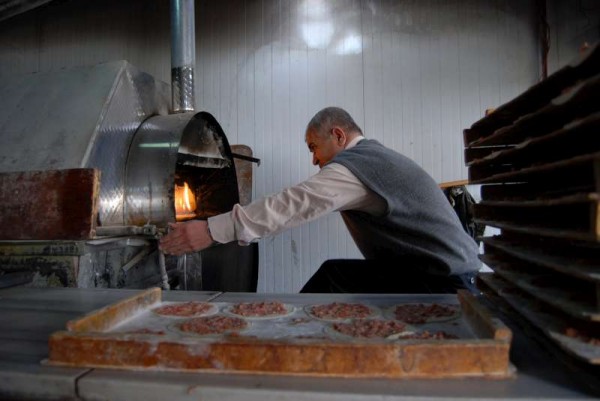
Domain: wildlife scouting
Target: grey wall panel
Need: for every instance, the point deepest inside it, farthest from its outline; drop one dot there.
(19, 45)
(413, 73)
(572, 24)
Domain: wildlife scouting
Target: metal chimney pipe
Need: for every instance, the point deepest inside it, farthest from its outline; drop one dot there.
(183, 55)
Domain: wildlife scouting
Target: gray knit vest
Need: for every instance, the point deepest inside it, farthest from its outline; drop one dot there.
(419, 228)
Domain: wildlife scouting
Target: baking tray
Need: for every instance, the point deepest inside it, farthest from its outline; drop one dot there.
(553, 325)
(129, 335)
(576, 301)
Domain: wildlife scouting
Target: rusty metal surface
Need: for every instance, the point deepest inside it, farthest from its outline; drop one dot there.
(49, 205)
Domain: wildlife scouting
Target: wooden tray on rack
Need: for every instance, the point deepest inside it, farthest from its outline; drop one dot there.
(556, 327)
(129, 335)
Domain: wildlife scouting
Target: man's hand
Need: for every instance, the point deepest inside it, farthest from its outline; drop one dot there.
(186, 237)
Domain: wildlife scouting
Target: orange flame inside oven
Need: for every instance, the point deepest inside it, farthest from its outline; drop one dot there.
(185, 202)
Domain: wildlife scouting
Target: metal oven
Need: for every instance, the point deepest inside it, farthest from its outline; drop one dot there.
(156, 167)
(160, 161)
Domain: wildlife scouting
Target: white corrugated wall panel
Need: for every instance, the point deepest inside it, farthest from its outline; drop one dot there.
(412, 73)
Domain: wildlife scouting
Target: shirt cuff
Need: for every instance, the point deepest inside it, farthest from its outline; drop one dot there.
(221, 228)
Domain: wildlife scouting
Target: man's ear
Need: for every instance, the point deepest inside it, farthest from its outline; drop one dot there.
(340, 135)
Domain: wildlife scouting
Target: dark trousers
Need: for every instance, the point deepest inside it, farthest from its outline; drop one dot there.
(360, 276)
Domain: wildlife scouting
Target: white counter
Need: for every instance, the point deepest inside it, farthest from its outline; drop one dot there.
(28, 316)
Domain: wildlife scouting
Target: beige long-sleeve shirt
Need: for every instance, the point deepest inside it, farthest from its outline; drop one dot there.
(333, 188)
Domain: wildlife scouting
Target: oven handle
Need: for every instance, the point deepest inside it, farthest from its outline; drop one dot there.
(248, 158)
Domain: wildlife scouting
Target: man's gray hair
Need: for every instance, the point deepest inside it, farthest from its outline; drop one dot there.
(329, 117)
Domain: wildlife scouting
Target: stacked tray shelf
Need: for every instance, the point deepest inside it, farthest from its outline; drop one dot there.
(537, 159)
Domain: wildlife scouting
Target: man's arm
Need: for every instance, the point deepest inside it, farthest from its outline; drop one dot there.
(333, 188)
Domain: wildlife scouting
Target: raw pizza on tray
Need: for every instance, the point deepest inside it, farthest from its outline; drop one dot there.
(336, 311)
(216, 324)
(260, 310)
(186, 309)
(421, 313)
(373, 328)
